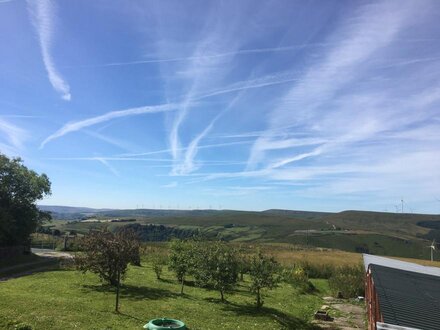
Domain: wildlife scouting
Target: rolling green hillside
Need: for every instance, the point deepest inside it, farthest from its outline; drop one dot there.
(394, 234)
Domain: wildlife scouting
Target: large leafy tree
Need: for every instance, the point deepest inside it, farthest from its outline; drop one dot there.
(108, 254)
(20, 189)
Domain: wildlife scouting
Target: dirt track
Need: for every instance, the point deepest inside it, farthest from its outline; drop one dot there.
(49, 260)
(347, 315)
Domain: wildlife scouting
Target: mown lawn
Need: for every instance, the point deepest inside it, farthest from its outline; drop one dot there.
(67, 299)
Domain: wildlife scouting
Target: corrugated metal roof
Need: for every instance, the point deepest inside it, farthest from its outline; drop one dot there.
(386, 326)
(408, 299)
(398, 264)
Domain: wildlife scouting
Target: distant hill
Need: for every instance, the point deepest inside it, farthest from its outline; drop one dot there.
(300, 214)
(73, 212)
(395, 234)
(69, 209)
(69, 212)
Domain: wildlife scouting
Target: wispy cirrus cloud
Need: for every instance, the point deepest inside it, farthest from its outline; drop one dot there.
(200, 72)
(324, 133)
(184, 149)
(78, 125)
(264, 81)
(208, 56)
(188, 164)
(43, 15)
(107, 165)
(374, 28)
(206, 73)
(243, 52)
(14, 135)
(270, 105)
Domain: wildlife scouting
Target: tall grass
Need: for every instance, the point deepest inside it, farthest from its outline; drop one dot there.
(348, 282)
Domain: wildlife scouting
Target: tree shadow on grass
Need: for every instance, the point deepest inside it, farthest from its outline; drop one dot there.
(288, 321)
(131, 317)
(133, 292)
(166, 280)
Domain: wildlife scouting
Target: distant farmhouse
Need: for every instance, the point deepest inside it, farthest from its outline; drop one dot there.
(401, 295)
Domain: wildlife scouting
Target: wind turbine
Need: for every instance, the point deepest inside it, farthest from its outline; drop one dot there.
(432, 246)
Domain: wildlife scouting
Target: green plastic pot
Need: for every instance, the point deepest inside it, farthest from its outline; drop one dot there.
(165, 324)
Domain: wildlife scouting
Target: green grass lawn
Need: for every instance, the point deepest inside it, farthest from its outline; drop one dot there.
(66, 299)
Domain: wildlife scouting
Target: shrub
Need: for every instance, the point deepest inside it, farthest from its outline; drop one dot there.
(158, 261)
(264, 273)
(23, 326)
(297, 277)
(348, 281)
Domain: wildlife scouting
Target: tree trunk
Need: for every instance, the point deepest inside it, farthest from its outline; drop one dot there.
(223, 298)
(183, 283)
(258, 298)
(241, 276)
(117, 292)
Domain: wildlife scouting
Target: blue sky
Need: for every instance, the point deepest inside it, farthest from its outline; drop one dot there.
(312, 105)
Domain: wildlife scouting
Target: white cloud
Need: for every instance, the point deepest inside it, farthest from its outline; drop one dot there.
(14, 135)
(78, 125)
(43, 14)
(205, 57)
(107, 165)
(188, 164)
(372, 30)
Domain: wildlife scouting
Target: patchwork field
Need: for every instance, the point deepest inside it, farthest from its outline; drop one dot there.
(391, 234)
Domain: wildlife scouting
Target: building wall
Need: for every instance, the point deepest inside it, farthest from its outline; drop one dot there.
(372, 302)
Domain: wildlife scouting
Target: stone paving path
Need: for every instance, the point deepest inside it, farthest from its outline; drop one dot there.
(348, 315)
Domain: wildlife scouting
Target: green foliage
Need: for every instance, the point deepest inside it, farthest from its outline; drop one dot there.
(216, 266)
(181, 259)
(244, 263)
(348, 281)
(316, 270)
(158, 261)
(264, 275)
(20, 188)
(159, 233)
(108, 254)
(298, 278)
